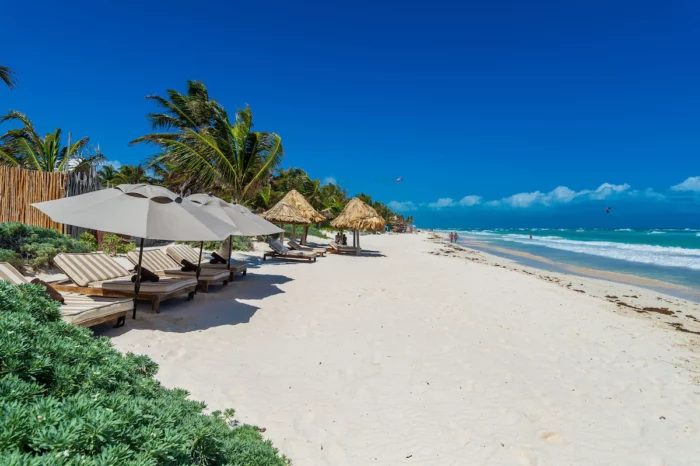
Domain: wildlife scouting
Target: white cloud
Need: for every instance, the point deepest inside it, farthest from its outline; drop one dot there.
(442, 202)
(606, 190)
(522, 200)
(691, 184)
(397, 206)
(562, 194)
(329, 180)
(116, 164)
(468, 201)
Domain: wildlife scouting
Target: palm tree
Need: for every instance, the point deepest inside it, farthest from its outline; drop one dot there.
(201, 141)
(8, 77)
(333, 197)
(132, 174)
(25, 148)
(107, 175)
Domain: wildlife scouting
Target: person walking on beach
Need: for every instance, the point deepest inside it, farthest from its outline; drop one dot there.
(456, 236)
(452, 237)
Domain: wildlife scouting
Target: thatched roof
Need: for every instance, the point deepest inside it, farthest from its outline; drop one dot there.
(285, 213)
(358, 216)
(298, 201)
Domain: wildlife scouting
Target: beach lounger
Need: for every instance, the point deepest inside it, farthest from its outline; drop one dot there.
(180, 252)
(97, 274)
(84, 311)
(336, 248)
(159, 263)
(282, 252)
(298, 247)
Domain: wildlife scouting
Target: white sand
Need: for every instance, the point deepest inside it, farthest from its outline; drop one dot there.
(413, 358)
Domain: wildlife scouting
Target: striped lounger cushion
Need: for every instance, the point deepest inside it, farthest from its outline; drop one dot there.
(182, 251)
(77, 308)
(98, 270)
(156, 261)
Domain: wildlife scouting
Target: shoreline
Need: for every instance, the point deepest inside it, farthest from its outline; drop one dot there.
(549, 265)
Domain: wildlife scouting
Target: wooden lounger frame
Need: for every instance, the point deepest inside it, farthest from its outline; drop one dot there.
(276, 255)
(338, 249)
(154, 298)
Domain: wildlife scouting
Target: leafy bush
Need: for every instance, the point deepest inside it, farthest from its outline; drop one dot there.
(89, 240)
(37, 246)
(113, 244)
(12, 257)
(240, 243)
(67, 398)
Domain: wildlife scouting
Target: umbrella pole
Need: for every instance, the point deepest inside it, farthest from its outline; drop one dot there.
(354, 238)
(358, 239)
(199, 265)
(230, 248)
(306, 233)
(137, 283)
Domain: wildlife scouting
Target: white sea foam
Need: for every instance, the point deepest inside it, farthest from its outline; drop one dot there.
(624, 229)
(655, 232)
(642, 253)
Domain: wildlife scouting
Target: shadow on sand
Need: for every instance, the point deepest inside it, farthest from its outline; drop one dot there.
(221, 306)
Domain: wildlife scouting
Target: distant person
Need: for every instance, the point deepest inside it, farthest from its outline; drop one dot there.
(456, 236)
(530, 235)
(452, 237)
(345, 239)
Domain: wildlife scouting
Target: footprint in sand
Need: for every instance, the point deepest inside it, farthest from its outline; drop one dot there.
(532, 417)
(553, 438)
(334, 454)
(525, 457)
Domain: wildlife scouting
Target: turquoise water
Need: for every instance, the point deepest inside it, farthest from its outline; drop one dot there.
(671, 255)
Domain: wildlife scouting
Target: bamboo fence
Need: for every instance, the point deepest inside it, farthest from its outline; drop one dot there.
(19, 188)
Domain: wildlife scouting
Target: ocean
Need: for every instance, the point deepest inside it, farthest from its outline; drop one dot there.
(668, 255)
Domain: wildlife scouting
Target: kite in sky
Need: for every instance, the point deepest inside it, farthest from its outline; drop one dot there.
(399, 179)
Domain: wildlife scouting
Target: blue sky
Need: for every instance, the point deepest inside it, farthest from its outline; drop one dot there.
(506, 101)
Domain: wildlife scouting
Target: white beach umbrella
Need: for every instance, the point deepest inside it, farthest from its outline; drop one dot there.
(243, 221)
(139, 210)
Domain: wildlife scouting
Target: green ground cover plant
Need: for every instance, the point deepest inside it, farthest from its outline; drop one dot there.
(68, 398)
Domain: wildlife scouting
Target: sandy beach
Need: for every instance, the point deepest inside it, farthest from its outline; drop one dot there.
(421, 353)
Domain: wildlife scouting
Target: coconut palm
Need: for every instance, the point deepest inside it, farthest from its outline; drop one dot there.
(25, 148)
(198, 138)
(8, 77)
(132, 174)
(107, 175)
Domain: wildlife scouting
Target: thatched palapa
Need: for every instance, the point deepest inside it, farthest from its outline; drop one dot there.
(298, 201)
(283, 212)
(358, 216)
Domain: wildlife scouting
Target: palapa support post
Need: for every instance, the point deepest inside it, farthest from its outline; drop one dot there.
(199, 265)
(306, 233)
(282, 234)
(358, 239)
(230, 248)
(137, 283)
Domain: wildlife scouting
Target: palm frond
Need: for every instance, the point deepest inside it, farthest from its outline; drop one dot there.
(8, 77)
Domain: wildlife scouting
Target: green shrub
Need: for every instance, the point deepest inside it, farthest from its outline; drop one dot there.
(240, 243)
(36, 246)
(12, 257)
(89, 240)
(67, 398)
(113, 244)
